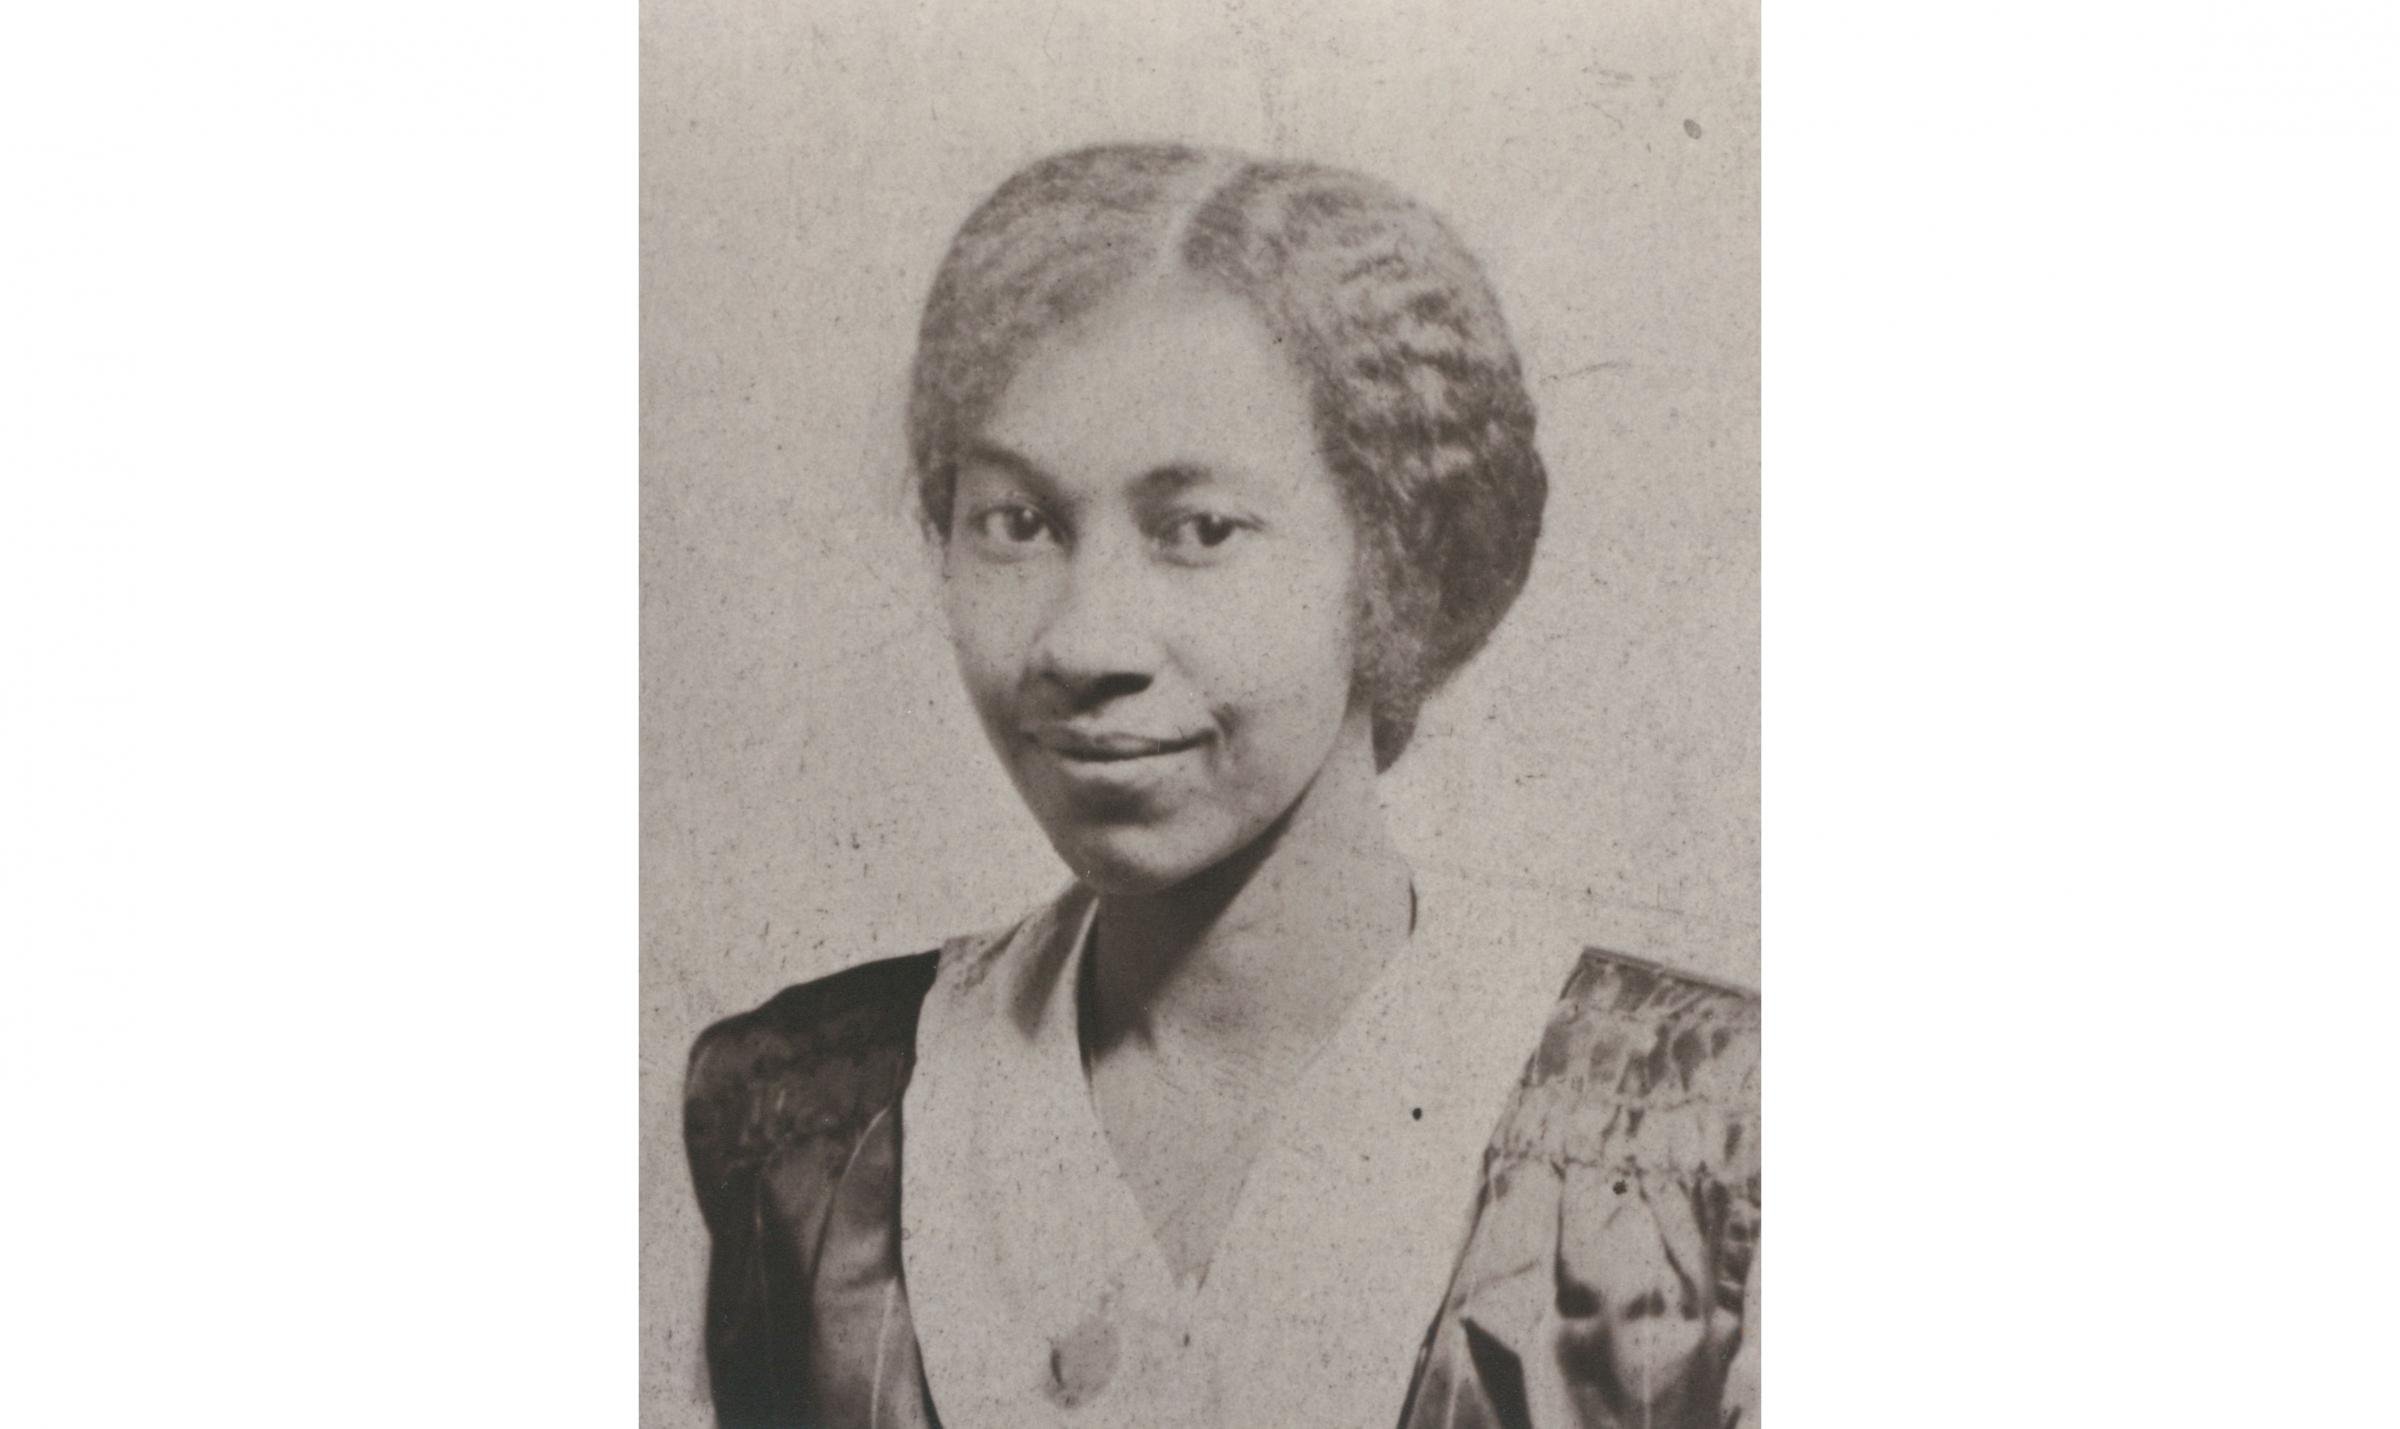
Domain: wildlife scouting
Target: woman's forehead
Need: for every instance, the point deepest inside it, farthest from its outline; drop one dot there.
(1171, 374)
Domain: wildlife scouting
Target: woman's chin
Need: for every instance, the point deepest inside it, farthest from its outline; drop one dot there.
(1135, 863)
(1113, 876)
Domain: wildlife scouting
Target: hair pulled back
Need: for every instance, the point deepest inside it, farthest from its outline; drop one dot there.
(1419, 402)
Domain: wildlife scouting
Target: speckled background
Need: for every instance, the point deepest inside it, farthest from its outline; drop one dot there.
(814, 790)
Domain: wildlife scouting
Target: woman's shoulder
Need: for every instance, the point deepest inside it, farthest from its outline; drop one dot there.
(1618, 986)
(859, 1009)
(1609, 1275)
(1651, 1030)
(1644, 1062)
(819, 1058)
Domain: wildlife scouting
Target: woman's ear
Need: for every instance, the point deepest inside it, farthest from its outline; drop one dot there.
(933, 540)
(933, 552)
(1393, 730)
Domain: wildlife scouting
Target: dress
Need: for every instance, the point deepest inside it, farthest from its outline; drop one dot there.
(1594, 1265)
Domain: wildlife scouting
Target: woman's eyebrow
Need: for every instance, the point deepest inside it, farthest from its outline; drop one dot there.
(1160, 483)
(1168, 480)
(1016, 466)
(1174, 478)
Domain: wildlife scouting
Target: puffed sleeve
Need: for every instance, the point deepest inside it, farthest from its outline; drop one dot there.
(726, 1157)
(775, 1103)
(1608, 1279)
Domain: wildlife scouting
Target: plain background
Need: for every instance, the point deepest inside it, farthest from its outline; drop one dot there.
(318, 823)
(816, 791)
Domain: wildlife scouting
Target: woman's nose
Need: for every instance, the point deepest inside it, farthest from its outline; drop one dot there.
(1098, 641)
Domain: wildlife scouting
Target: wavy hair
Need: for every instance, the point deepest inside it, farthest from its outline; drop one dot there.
(1417, 395)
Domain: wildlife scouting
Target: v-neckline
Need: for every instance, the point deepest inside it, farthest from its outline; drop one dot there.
(1273, 1115)
(1039, 1291)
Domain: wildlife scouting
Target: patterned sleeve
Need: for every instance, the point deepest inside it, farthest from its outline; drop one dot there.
(1609, 1280)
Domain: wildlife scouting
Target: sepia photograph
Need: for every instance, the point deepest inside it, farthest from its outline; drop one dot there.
(1046, 714)
(1200, 715)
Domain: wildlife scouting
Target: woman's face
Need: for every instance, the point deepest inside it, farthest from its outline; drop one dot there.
(1148, 578)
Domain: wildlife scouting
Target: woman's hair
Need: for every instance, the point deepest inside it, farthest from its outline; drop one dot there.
(1420, 406)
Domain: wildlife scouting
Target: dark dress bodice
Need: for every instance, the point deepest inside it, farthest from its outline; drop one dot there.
(1607, 1278)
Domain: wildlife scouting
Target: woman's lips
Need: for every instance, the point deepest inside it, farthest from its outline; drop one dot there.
(1103, 746)
(1110, 774)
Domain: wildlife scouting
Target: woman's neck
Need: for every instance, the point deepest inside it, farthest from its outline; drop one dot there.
(1244, 971)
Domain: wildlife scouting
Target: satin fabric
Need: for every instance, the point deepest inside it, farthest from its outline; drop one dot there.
(1603, 1262)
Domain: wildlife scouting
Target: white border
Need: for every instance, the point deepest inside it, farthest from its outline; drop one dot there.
(317, 825)
(317, 564)
(2079, 731)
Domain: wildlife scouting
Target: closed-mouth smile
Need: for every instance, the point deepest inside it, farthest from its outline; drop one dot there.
(1100, 746)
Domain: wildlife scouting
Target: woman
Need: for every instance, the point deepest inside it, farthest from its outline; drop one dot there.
(1229, 464)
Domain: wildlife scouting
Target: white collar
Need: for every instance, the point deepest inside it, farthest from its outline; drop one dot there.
(1036, 1286)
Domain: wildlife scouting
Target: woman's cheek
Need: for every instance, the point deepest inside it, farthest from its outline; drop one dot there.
(989, 629)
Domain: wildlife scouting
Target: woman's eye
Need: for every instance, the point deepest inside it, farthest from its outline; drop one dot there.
(1200, 530)
(1011, 525)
